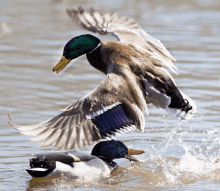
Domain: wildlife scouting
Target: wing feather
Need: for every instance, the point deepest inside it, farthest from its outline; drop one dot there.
(51, 139)
(73, 128)
(124, 29)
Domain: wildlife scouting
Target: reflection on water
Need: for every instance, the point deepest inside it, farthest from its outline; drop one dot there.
(186, 155)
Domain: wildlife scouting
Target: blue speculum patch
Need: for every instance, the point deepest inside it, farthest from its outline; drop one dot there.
(111, 120)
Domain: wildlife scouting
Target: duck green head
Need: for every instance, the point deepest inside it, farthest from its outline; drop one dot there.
(76, 47)
(112, 149)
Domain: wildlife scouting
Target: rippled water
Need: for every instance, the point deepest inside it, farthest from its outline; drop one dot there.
(179, 156)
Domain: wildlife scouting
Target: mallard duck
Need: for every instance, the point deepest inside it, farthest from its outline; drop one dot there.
(77, 164)
(135, 66)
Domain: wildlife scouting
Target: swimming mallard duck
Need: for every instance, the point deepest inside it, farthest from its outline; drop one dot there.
(73, 163)
(136, 76)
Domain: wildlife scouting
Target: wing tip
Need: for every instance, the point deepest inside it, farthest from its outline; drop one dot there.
(10, 122)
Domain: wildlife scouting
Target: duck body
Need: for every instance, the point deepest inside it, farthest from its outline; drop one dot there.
(136, 70)
(77, 164)
(135, 66)
(72, 164)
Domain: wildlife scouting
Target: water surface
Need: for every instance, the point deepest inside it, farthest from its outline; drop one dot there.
(179, 156)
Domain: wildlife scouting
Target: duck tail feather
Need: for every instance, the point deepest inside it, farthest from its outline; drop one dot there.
(41, 167)
(185, 112)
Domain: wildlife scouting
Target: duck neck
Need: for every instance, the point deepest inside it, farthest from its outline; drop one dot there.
(111, 164)
(96, 60)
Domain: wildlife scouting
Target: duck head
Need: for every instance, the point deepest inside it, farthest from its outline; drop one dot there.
(109, 150)
(76, 47)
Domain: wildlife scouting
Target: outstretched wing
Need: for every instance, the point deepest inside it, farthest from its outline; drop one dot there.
(100, 114)
(124, 29)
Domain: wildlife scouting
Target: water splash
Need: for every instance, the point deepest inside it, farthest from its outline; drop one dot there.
(187, 155)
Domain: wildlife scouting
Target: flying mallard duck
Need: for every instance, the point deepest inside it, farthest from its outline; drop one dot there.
(136, 76)
(73, 163)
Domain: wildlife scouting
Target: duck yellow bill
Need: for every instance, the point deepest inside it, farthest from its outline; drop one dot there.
(61, 64)
(134, 152)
